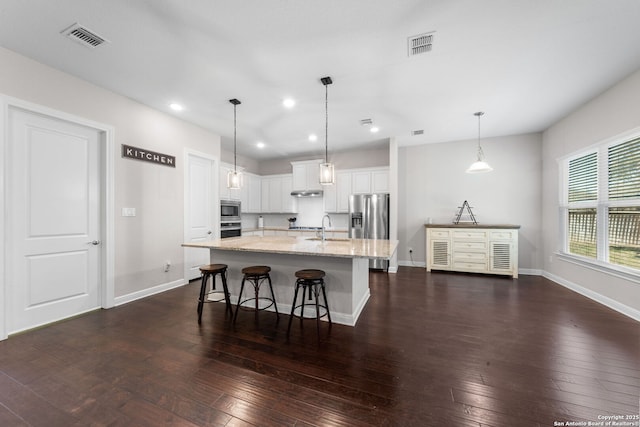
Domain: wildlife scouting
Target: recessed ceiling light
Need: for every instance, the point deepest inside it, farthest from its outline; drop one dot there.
(313, 137)
(260, 144)
(176, 107)
(374, 129)
(288, 102)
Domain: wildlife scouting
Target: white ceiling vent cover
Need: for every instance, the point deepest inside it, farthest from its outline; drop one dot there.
(84, 36)
(422, 43)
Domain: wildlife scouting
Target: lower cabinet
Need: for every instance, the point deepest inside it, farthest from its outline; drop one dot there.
(473, 249)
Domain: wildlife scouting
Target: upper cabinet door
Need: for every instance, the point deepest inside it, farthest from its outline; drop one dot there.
(250, 193)
(361, 182)
(224, 191)
(306, 175)
(343, 191)
(370, 181)
(380, 181)
(289, 203)
(299, 172)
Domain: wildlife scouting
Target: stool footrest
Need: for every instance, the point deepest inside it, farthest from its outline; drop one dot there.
(311, 282)
(213, 270)
(256, 275)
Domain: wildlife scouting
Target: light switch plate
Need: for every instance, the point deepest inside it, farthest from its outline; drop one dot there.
(128, 211)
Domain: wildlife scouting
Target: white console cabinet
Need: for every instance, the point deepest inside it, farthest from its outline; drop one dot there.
(489, 249)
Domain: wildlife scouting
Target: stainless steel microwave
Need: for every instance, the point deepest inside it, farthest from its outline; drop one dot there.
(229, 210)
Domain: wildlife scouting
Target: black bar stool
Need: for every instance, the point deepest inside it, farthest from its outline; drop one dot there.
(311, 281)
(256, 275)
(213, 270)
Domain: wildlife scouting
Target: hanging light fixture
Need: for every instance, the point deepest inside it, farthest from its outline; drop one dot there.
(234, 178)
(327, 173)
(479, 165)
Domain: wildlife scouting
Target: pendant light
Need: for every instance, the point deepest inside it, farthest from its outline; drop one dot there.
(479, 165)
(327, 172)
(234, 178)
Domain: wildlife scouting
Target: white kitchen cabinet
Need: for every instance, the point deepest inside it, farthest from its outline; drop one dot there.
(370, 181)
(380, 181)
(289, 203)
(336, 197)
(306, 175)
(361, 182)
(250, 194)
(354, 181)
(271, 194)
(276, 194)
(224, 192)
(343, 191)
(491, 249)
(329, 197)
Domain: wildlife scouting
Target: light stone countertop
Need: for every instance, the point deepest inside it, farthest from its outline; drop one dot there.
(276, 228)
(472, 225)
(341, 248)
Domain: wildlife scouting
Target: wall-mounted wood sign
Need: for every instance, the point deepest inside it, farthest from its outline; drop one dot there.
(148, 156)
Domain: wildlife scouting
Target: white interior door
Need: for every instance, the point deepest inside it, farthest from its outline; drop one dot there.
(53, 219)
(200, 210)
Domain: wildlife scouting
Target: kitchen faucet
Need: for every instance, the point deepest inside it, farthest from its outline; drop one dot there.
(323, 229)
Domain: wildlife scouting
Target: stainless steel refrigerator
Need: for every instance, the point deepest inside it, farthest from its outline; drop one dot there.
(369, 219)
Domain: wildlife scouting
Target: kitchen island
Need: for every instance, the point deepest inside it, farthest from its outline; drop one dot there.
(345, 261)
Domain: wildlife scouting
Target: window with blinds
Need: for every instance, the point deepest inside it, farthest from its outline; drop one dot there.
(624, 170)
(602, 219)
(583, 178)
(582, 232)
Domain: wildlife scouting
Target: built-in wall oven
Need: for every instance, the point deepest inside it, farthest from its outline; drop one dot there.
(230, 219)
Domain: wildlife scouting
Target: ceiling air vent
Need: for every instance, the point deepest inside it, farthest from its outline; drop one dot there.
(84, 36)
(366, 122)
(422, 43)
(417, 132)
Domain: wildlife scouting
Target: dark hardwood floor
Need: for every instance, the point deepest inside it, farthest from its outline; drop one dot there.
(430, 349)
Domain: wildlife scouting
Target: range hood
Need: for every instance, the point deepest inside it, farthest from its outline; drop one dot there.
(307, 193)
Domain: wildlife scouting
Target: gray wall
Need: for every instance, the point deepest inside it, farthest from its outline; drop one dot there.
(377, 155)
(614, 112)
(433, 184)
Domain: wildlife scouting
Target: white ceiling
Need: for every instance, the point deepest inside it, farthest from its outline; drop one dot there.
(525, 63)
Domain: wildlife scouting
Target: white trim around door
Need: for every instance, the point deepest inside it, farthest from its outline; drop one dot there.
(195, 158)
(107, 184)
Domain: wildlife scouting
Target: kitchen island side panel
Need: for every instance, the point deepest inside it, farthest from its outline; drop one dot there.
(343, 283)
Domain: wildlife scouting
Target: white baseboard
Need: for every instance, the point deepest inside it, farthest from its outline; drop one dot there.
(124, 299)
(611, 303)
(530, 272)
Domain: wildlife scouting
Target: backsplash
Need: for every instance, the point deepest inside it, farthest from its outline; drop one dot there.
(338, 221)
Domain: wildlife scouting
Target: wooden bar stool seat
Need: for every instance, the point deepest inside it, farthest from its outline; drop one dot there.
(256, 275)
(213, 270)
(312, 283)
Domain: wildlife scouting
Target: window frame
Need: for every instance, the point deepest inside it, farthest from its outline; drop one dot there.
(601, 204)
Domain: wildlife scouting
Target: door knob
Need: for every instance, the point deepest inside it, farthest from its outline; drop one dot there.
(94, 242)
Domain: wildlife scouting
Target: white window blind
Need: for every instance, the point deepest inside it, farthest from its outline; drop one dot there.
(601, 204)
(583, 178)
(624, 170)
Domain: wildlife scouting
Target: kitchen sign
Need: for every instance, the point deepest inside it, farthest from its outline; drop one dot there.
(148, 156)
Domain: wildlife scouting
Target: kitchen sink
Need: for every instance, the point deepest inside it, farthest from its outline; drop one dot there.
(330, 239)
